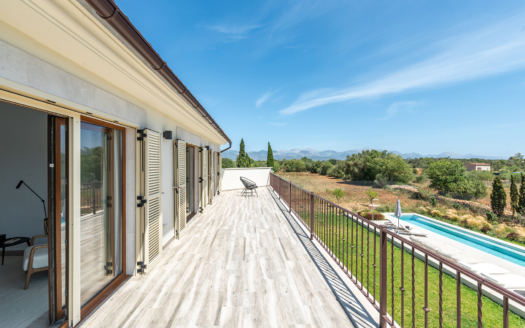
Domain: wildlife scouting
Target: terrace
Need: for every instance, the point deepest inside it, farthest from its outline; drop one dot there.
(245, 262)
(257, 261)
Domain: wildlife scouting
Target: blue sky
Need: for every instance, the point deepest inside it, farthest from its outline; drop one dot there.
(411, 76)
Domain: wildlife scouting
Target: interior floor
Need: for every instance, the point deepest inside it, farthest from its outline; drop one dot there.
(19, 307)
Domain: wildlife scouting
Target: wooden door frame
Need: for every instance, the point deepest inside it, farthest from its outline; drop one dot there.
(89, 307)
(54, 166)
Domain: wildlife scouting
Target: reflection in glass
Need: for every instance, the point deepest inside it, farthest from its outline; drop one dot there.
(63, 193)
(101, 208)
(190, 152)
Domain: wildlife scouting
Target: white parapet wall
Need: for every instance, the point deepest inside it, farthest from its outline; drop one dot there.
(231, 177)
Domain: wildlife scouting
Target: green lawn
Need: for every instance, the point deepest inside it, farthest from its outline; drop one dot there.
(332, 229)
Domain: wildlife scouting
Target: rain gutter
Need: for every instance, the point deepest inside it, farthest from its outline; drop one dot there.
(111, 13)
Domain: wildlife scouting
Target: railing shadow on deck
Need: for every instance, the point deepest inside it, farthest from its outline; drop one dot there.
(348, 300)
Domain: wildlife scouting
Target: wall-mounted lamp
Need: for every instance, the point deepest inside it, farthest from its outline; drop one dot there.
(167, 135)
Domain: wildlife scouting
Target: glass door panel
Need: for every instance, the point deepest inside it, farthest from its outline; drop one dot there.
(101, 213)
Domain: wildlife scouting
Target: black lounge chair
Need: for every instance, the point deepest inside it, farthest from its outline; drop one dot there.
(249, 185)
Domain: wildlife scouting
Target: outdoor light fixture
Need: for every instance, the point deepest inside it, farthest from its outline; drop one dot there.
(167, 135)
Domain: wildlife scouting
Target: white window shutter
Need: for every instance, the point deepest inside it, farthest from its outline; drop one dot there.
(210, 176)
(219, 176)
(179, 174)
(204, 175)
(153, 196)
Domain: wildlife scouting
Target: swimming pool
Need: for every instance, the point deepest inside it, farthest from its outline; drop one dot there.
(501, 249)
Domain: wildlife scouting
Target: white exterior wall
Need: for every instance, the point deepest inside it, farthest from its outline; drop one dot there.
(231, 177)
(482, 168)
(80, 65)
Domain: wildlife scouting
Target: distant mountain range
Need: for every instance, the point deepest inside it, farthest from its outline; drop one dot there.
(329, 154)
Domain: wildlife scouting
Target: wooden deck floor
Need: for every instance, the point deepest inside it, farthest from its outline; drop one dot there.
(240, 264)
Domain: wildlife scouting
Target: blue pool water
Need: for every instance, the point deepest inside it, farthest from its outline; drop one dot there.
(502, 250)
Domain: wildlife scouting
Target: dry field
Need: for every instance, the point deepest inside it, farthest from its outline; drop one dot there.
(355, 198)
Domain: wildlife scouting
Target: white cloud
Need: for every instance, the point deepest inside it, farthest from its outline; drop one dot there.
(496, 49)
(262, 99)
(399, 107)
(235, 32)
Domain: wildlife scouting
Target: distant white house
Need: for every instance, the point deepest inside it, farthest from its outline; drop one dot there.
(477, 167)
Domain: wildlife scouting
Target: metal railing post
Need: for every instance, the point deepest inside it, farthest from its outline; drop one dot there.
(311, 216)
(290, 197)
(383, 279)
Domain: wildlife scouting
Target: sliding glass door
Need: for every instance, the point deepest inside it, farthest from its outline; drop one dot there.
(101, 207)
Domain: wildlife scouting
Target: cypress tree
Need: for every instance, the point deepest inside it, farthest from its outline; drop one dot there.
(521, 201)
(269, 158)
(498, 197)
(514, 196)
(241, 158)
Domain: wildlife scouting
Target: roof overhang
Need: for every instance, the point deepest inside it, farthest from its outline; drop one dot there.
(87, 46)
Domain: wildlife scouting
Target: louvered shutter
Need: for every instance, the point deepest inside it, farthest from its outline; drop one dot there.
(153, 206)
(215, 177)
(179, 175)
(210, 176)
(204, 175)
(201, 207)
(219, 175)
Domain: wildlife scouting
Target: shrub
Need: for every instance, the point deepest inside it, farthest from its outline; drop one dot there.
(433, 201)
(491, 217)
(325, 168)
(453, 217)
(513, 236)
(227, 163)
(381, 181)
(368, 215)
(436, 213)
(472, 187)
(456, 206)
(422, 178)
(503, 230)
(485, 229)
(337, 171)
(276, 166)
(485, 176)
(422, 210)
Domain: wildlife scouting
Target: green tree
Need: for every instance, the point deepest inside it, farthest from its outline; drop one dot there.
(498, 197)
(227, 163)
(248, 161)
(276, 166)
(269, 157)
(325, 168)
(241, 158)
(445, 174)
(514, 195)
(521, 201)
(338, 194)
(371, 194)
(472, 187)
